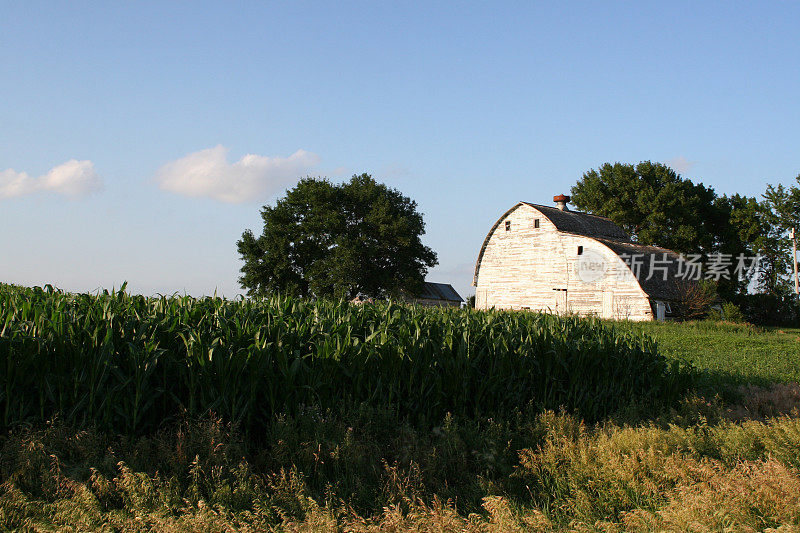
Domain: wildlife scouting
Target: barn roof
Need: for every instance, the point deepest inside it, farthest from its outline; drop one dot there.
(439, 291)
(581, 223)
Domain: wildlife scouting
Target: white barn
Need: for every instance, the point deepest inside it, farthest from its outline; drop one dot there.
(555, 260)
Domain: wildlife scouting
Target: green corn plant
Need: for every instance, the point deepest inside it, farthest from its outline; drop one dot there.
(129, 363)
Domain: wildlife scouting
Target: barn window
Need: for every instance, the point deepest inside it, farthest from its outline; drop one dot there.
(580, 250)
(535, 222)
(508, 225)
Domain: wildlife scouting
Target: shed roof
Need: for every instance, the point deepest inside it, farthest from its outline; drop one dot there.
(439, 291)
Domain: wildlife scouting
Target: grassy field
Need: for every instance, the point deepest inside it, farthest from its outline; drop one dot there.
(731, 354)
(724, 455)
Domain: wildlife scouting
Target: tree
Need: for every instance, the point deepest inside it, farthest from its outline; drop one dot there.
(337, 240)
(657, 206)
(741, 224)
(781, 206)
(653, 203)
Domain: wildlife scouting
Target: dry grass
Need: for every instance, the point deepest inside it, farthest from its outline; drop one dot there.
(762, 403)
(734, 476)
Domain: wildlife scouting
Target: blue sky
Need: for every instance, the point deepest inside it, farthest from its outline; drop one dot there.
(138, 140)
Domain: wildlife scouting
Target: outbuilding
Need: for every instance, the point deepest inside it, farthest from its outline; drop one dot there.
(431, 295)
(438, 295)
(551, 259)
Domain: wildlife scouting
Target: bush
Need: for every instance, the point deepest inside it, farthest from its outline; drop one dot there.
(732, 313)
(695, 298)
(364, 472)
(770, 309)
(729, 312)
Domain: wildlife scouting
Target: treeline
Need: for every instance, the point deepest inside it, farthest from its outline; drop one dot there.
(657, 206)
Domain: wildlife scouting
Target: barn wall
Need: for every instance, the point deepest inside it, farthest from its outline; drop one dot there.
(521, 268)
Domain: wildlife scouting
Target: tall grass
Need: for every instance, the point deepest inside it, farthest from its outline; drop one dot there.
(364, 472)
(127, 363)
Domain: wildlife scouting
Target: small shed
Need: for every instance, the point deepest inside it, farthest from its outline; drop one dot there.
(438, 294)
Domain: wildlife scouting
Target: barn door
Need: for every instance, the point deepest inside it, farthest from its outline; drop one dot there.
(608, 304)
(560, 301)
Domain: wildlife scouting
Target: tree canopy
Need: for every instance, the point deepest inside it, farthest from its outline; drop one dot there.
(781, 206)
(337, 240)
(657, 206)
(653, 203)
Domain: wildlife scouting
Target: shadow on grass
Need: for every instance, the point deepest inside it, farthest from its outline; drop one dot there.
(710, 383)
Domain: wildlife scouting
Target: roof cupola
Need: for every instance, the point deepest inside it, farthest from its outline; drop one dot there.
(561, 201)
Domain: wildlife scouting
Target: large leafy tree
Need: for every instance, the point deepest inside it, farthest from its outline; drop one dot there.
(655, 205)
(782, 213)
(324, 239)
(741, 227)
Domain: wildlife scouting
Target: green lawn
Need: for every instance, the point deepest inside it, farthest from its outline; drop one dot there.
(730, 353)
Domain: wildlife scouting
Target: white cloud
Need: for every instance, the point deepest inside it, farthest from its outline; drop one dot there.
(254, 177)
(680, 164)
(73, 178)
(396, 171)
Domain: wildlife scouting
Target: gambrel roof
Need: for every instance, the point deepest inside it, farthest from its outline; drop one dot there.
(566, 221)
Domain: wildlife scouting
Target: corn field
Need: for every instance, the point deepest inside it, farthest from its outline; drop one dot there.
(129, 363)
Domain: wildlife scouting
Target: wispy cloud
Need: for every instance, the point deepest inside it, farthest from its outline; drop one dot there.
(394, 171)
(208, 173)
(73, 178)
(680, 164)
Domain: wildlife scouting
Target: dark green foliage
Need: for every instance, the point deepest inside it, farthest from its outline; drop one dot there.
(655, 205)
(767, 309)
(742, 225)
(127, 363)
(337, 240)
(652, 203)
(782, 208)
